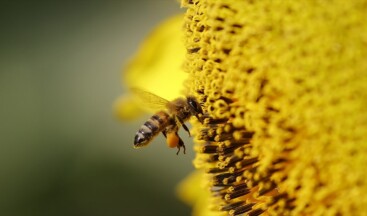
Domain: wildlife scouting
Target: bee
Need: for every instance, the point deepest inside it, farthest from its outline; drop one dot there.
(172, 115)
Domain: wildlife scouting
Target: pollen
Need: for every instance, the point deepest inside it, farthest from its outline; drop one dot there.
(284, 88)
(172, 140)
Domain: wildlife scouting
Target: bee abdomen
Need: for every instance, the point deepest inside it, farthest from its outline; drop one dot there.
(151, 128)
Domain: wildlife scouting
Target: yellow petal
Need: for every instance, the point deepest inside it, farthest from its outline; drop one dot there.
(193, 192)
(126, 108)
(190, 190)
(156, 67)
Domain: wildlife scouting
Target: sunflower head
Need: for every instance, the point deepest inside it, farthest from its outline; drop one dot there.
(283, 89)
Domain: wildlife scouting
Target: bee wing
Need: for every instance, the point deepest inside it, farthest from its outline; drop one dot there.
(149, 100)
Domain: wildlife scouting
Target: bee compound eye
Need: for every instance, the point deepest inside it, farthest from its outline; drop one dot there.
(196, 106)
(193, 103)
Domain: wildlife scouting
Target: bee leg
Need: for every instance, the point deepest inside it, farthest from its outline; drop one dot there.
(164, 134)
(183, 125)
(186, 129)
(180, 144)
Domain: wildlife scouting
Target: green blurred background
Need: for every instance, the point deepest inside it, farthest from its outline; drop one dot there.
(62, 151)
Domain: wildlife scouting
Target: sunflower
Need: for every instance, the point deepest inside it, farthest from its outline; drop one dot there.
(284, 89)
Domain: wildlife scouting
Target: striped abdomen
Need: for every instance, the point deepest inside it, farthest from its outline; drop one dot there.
(151, 128)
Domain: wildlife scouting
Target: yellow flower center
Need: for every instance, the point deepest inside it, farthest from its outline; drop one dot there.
(284, 86)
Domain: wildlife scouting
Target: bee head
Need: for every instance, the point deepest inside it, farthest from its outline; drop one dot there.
(194, 106)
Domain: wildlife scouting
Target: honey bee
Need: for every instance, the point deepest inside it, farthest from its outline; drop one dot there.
(172, 115)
